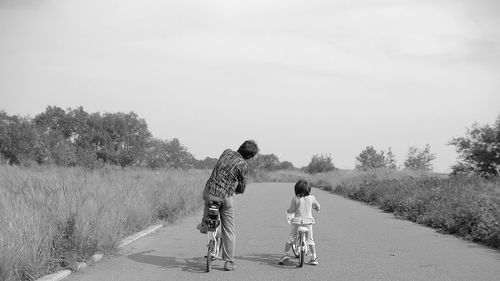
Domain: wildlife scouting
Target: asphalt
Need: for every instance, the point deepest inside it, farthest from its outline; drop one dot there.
(354, 241)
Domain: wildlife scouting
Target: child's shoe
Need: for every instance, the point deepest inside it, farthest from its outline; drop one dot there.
(229, 265)
(202, 228)
(313, 261)
(284, 259)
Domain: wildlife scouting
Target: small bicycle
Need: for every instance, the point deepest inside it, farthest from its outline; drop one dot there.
(300, 247)
(213, 223)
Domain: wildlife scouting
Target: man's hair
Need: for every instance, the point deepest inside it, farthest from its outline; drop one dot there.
(248, 149)
(302, 188)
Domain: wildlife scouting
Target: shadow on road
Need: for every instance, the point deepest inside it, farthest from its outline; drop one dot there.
(195, 265)
(269, 259)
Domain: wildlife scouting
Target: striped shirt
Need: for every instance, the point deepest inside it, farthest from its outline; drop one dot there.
(230, 168)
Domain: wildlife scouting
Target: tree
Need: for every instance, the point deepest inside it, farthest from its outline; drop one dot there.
(54, 132)
(178, 155)
(54, 119)
(479, 150)
(419, 160)
(286, 165)
(268, 162)
(370, 159)
(17, 138)
(123, 138)
(82, 135)
(166, 154)
(207, 163)
(156, 154)
(390, 160)
(320, 163)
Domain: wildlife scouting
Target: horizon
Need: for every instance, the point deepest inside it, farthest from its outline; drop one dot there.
(299, 78)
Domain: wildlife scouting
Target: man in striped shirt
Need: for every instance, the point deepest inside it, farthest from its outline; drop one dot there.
(228, 178)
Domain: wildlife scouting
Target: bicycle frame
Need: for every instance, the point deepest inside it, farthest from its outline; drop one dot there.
(213, 234)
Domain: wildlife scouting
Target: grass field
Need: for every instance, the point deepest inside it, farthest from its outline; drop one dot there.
(54, 217)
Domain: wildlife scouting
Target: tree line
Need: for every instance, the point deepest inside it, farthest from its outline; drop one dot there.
(74, 137)
(478, 153)
(370, 159)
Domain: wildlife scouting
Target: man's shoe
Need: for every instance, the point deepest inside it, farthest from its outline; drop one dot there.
(283, 259)
(202, 228)
(229, 265)
(313, 261)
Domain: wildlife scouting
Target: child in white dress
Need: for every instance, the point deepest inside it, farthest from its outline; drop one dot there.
(300, 212)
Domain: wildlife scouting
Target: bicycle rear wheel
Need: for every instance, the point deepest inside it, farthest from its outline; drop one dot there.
(302, 257)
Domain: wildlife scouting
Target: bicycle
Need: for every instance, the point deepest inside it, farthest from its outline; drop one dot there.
(213, 233)
(300, 247)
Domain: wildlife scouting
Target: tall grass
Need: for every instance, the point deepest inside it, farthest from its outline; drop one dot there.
(51, 218)
(466, 206)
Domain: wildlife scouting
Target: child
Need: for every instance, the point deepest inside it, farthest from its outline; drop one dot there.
(301, 207)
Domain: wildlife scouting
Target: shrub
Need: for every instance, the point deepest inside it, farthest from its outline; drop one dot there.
(466, 206)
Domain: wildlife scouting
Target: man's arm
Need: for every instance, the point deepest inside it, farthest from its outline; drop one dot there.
(242, 180)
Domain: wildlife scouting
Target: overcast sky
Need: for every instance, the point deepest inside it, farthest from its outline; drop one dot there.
(299, 77)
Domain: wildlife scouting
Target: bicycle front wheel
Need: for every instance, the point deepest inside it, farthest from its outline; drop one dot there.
(210, 251)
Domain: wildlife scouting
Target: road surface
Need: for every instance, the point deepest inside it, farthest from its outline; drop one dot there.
(354, 241)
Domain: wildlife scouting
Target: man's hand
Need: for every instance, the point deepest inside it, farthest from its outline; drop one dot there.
(239, 189)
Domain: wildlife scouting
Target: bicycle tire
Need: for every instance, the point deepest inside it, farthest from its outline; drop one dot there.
(209, 255)
(302, 257)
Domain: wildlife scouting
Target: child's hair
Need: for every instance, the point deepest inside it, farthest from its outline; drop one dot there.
(302, 188)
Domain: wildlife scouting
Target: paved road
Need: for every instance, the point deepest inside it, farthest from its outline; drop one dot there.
(355, 242)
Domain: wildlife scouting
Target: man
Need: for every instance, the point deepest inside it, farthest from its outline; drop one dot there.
(228, 178)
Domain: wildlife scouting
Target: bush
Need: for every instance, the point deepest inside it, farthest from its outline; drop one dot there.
(466, 206)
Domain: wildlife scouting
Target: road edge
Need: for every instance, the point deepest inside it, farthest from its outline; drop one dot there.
(60, 275)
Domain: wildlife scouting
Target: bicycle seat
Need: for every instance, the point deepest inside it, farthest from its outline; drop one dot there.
(215, 204)
(213, 209)
(302, 229)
